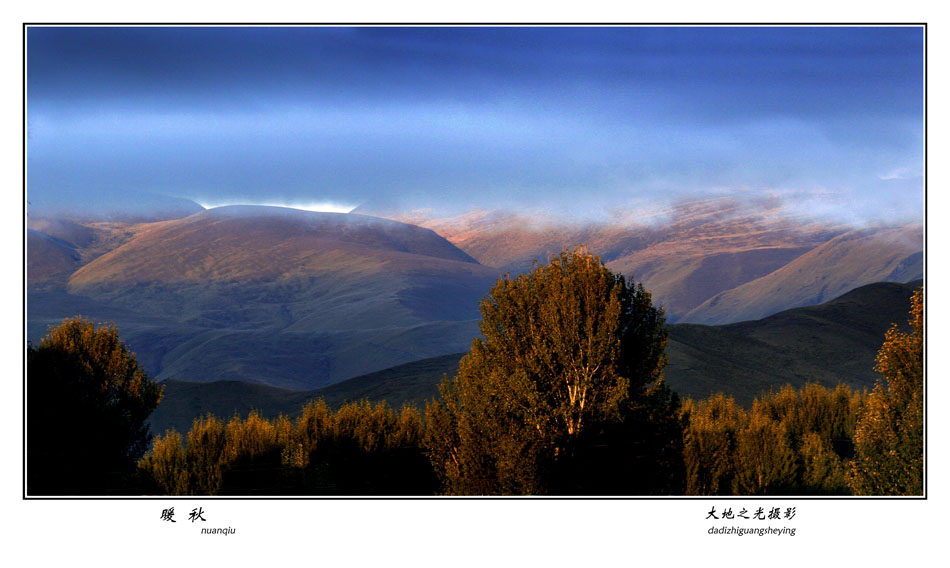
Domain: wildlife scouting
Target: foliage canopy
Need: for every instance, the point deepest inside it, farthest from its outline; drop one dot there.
(564, 394)
(87, 405)
(791, 442)
(359, 449)
(890, 435)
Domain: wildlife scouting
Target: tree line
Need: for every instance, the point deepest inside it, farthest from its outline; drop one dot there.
(562, 395)
(359, 449)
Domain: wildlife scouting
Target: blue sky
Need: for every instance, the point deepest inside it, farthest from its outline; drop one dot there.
(576, 120)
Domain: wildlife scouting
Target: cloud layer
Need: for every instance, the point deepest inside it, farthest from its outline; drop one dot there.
(583, 120)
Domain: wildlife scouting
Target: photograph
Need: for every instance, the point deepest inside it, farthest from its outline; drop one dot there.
(475, 261)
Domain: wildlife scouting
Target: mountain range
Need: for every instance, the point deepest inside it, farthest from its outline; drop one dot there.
(302, 300)
(712, 261)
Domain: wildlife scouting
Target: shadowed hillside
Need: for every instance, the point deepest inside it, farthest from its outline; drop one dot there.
(51, 262)
(75, 234)
(413, 383)
(56, 248)
(829, 343)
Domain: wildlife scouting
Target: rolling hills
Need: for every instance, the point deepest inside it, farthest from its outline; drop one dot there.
(301, 300)
(828, 343)
(834, 342)
(276, 296)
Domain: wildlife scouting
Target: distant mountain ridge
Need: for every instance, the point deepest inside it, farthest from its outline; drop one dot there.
(705, 251)
(829, 270)
(115, 205)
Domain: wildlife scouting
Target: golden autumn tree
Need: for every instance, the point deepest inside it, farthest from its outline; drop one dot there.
(710, 432)
(87, 405)
(564, 394)
(889, 437)
(765, 460)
